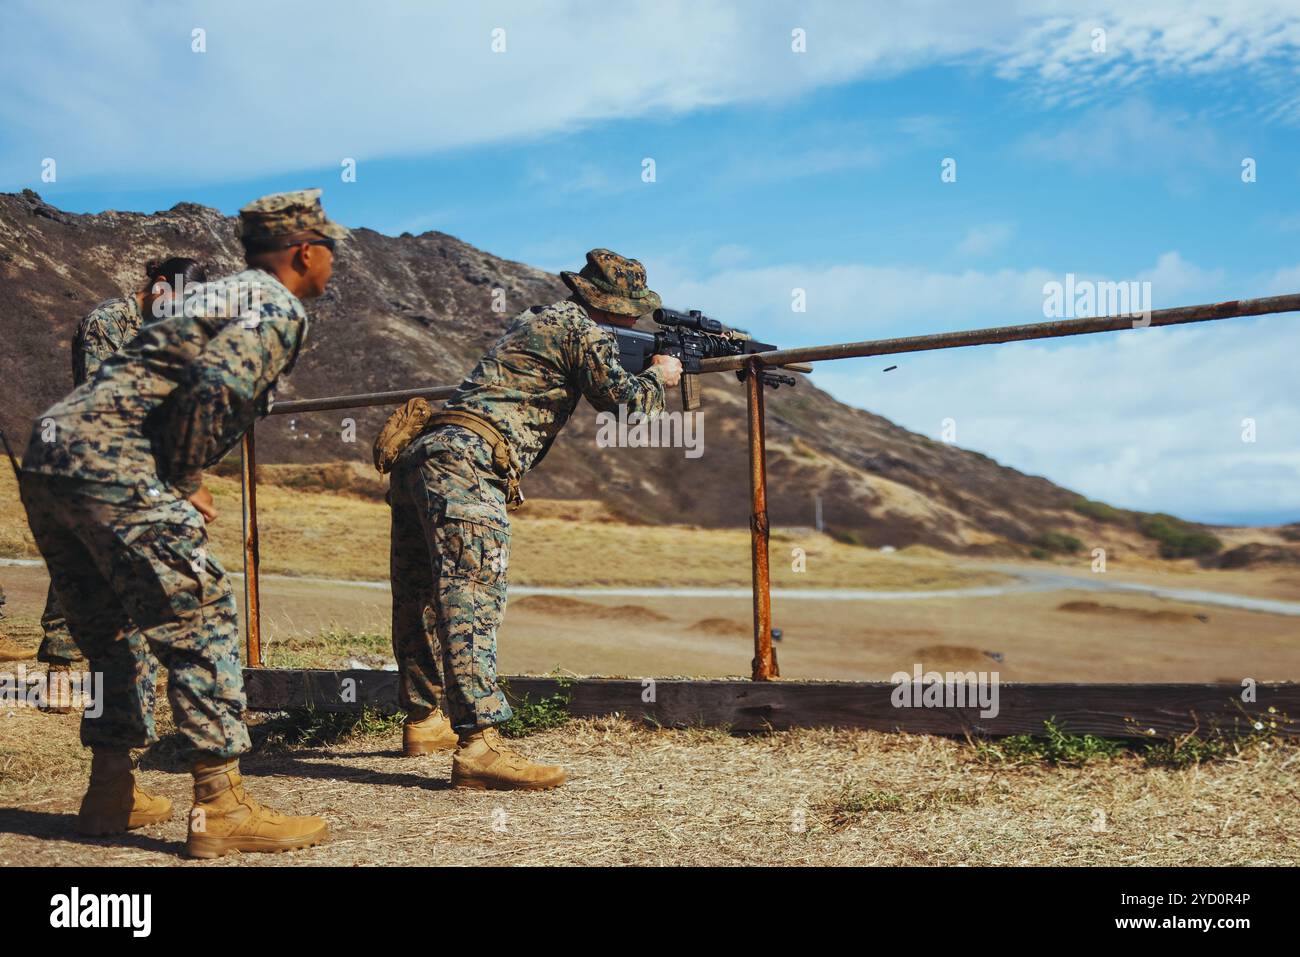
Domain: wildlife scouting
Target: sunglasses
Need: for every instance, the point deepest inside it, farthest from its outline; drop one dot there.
(327, 243)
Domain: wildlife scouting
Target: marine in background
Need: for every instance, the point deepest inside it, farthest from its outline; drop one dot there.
(105, 329)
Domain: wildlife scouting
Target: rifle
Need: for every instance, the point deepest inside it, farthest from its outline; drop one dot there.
(692, 337)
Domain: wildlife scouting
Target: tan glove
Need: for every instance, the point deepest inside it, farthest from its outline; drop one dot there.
(401, 429)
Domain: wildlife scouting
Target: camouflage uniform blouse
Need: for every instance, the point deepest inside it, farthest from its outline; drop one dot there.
(179, 395)
(108, 327)
(530, 381)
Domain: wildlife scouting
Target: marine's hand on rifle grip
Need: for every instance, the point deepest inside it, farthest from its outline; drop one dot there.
(670, 368)
(202, 500)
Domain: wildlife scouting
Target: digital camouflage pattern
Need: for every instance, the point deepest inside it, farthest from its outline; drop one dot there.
(531, 380)
(57, 646)
(135, 576)
(450, 551)
(614, 283)
(104, 481)
(449, 555)
(283, 214)
(179, 395)
(104, 330)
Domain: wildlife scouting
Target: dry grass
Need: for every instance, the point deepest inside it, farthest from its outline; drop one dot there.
(344, 534)
(701, 796)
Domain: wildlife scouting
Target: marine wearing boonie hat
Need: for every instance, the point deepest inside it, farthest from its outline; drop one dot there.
(613, 283)
(285, 214)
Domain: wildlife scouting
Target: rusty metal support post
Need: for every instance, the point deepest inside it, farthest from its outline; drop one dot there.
(765, 667)
(252, 558)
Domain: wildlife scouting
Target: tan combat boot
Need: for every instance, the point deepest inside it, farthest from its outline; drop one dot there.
(12, 651)
(429, 734)
(114, 802)
(484, 763)
(226, 819)
(58, 695)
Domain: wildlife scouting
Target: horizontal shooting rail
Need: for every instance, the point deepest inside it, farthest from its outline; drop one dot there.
(1233, 309)
(359, 400)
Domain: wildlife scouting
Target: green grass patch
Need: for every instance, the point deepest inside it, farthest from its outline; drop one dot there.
(310, 728)
(1056, 746)
(1246, 733)
(532, 716)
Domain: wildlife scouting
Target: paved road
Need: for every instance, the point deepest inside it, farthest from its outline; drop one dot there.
(1025, 579)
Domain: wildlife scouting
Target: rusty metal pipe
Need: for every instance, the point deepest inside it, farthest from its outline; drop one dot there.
(1235, 308)
(764, 664)
(359, 400)
(252, 555)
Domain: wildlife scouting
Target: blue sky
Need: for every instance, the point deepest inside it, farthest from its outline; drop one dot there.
(774, 170)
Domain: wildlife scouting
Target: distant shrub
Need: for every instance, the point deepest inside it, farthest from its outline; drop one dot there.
(1058, 542)
(846, 536)
(1177, 539)
(1099, 511)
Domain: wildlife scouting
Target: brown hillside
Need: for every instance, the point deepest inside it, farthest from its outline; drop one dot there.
(415, 310)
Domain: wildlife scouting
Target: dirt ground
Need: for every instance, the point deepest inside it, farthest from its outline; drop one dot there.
(703, 797)
(1062, 635)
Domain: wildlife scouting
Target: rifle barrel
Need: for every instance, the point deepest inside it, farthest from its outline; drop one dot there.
(1037, 330)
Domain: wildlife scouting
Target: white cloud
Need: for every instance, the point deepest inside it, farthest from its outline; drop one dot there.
(861, 301)
(982, 240)
(115, 90)
(1148, 419)
(729, 255)
(1133, 134)
(1285, 281)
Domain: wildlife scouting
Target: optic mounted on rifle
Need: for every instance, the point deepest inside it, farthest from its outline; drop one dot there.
(690, 337)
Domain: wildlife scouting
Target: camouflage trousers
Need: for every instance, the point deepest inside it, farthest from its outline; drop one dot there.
(449, 557)
(57, 647)
(132, 574)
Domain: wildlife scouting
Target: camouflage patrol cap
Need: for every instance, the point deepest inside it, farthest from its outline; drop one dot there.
(612, 283)
(283, 214)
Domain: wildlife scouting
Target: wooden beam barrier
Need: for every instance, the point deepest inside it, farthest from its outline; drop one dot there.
(1110, 710)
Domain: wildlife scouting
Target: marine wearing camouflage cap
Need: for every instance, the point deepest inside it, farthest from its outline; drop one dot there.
(285, 214)
(613, 283)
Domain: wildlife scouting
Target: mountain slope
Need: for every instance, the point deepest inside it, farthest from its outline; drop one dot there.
(417, 310)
